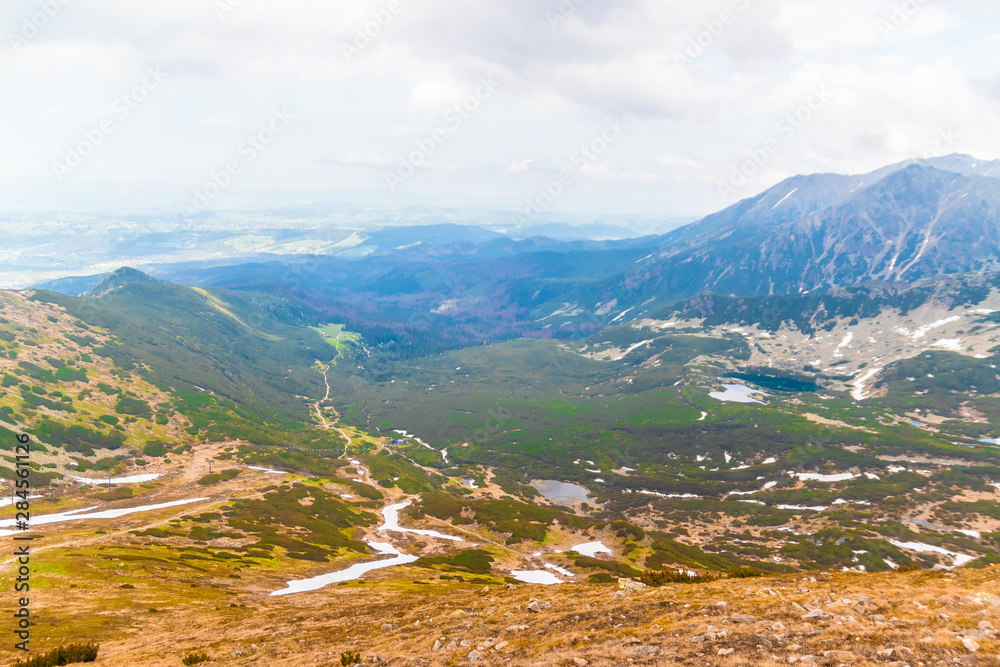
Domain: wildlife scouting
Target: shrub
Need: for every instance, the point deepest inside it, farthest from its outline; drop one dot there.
(663, 577)
(195, 658)
(64, 655)
(221, 476)
(348, 658)
(154, 448)
(745, 573)
(132, 406)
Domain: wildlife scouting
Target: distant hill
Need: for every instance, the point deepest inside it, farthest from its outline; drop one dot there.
(915, 220)
(118, 279)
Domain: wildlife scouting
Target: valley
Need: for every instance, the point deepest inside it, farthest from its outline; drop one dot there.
(494, 460)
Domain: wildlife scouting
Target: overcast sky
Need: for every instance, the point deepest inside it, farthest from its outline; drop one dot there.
(126, 102)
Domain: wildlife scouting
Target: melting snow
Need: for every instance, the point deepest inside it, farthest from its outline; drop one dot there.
(268, 471)
(959, 559)
(682, 496)
(844, 343)
(591, 549)
(784, 198)
(351, 573)
(82, 515)
(927, 328)
(4, 502)
(814, 477)
(563, 572)
(391, 524)
(737, 393)
(819, 508)
(859, 392)
(536, 577)
(135, 479)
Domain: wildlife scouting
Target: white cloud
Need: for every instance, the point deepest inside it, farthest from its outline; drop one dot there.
(893, 94)
(515, 167)
(359, 160)
(678, 161)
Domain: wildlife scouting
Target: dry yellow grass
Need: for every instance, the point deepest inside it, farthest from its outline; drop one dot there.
(927, 615)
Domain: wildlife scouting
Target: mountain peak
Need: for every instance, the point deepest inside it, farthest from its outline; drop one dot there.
(118, 278)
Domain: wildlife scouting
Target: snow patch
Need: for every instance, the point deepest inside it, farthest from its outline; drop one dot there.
(85, 513)
(351, 573)
(814, 477)
(591, 549)
(536, 577)
(134, 479)
(959, 559)
(391, 524)
(737, 393)
(562, 571)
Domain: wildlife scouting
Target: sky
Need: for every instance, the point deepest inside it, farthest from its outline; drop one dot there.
(648, 107)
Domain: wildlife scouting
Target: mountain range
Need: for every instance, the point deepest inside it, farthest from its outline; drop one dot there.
(912, 221)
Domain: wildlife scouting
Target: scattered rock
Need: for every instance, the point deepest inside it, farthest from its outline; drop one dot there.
(970, 644)
(437, 645)
(387, 627)
(534, 607)
(580, 662)
(846, 656)
(744, 619)
(817, 614)
(475, 656)
(726, 651)
(628, 585)
(501, 646)
(511, 587)
(648, 651)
